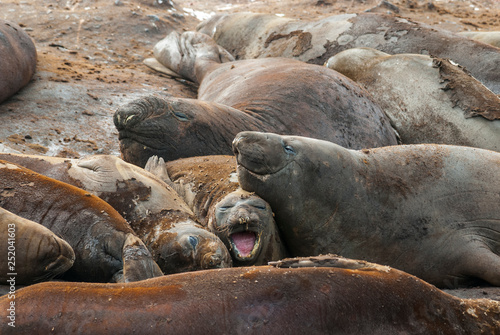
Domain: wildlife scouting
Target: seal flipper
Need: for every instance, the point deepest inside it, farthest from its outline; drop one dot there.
(156, 165)
(138, 263)
(328, 260)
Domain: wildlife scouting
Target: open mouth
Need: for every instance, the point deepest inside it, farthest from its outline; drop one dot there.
(245, 244)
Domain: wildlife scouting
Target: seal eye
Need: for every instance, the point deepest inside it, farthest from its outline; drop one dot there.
(225, 208)
(181, 116)
(193, 241)
(289, 150)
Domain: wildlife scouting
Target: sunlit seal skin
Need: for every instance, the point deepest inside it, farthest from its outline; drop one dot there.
(242, 220)
(256, 300)
(429, 210)
(36, 254)
(105, 246)
(427, 99)
(18, 59)
(279, 95)
(250, 35)
(488, 37)
(153, 209)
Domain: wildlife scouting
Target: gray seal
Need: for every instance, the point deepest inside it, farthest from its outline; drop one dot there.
(430, 210)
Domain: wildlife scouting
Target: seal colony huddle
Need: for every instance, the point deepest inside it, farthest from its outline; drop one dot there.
(427, 209)
(277, 95)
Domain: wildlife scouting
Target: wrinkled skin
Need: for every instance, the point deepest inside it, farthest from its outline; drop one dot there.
(106, 249)
(250, 35)
(430, 210)
(441, 104)
(278, 95)
(209, 186)
(338, 297)
(151, 207)
(18, 59)
(36, 254)
(242, 218)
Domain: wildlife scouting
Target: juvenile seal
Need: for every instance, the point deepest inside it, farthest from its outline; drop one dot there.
(105, 246)
(242, 220)
(250, 35)
(153, 209)
(349, 298)
(18, 59)
(427, 99)
(429, 210)
(36, 254)
(279, 95)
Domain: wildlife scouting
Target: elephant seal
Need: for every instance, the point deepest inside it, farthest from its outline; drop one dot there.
(279, 95)
(242, 220)
(105, 246)
(488, 37)
(343, 297)
(429, 210)
(18, 55)
(31, 251)
(427, 99)
(250, 35)
(153, 209)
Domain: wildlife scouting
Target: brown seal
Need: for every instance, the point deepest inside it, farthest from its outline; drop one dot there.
(31, 252)
(429, 210)
(427, 99)
(278, 95)
(18, 59)
(242, 220)
(153, 209)
(336, 297)
(250, 35)
(105, 246)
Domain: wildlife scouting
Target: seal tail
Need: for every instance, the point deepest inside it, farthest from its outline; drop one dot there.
(138, 263)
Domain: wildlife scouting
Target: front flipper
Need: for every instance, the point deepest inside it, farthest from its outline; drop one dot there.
(190, 54)
(156, 165)
(328, 260)
(138, 263)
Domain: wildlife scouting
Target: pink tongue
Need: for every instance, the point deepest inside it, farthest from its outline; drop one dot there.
(244, 242)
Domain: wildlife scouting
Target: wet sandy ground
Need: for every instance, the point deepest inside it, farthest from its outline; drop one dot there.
(90, 55)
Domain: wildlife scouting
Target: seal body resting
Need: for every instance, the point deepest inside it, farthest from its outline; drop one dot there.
(153, 209)
(251, 35)
(427, 99)
(242, 220)
(18, 59)
(105, 246)
(354, 298)
(430, 210)
(279, 95)
(31, 251)
(488, 37)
